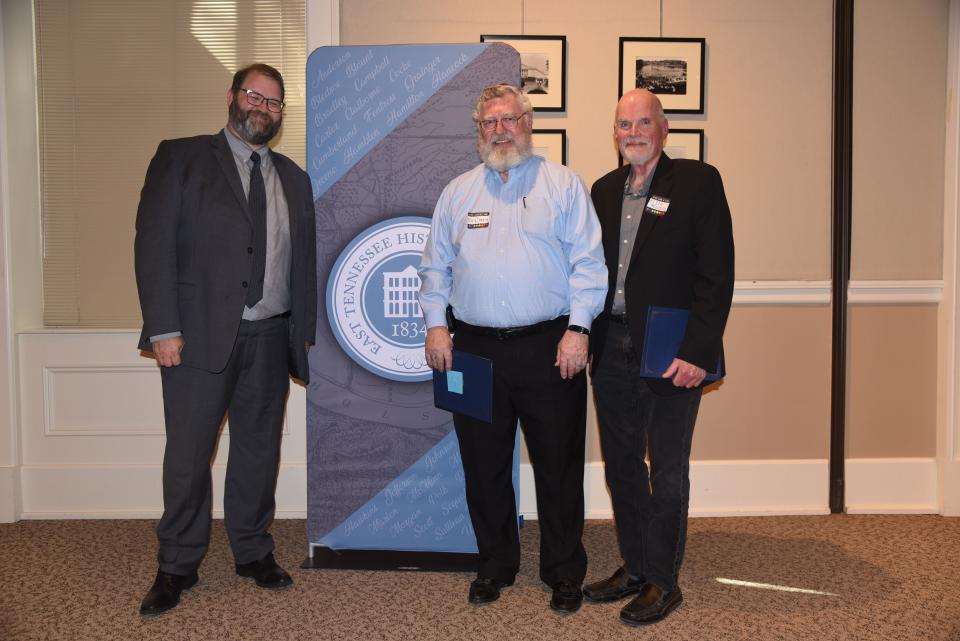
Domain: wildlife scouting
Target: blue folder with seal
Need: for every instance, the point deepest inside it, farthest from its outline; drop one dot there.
(467, 387)
(666, 327)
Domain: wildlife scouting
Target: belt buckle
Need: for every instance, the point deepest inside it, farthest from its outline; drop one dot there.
(503, 333)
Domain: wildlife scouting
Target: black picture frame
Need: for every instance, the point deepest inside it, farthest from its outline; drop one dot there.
(553, 142)
(672, 68)
(540, 79)
(690, 141)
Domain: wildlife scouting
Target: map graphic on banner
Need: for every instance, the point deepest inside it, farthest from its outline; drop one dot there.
(388, 127)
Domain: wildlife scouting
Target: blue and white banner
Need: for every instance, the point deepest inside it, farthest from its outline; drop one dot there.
(387, 128)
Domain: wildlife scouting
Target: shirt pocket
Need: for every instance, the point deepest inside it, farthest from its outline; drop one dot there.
(537, 217)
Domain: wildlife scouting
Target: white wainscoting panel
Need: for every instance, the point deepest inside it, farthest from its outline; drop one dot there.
(9, 493)
(131, 491)
(102, 400)
(892, 486)
(717, 488)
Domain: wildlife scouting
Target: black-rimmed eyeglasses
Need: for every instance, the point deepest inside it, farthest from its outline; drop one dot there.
(255, 99)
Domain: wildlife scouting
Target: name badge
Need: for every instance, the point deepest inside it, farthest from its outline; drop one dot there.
(478, 219)
(657, 205)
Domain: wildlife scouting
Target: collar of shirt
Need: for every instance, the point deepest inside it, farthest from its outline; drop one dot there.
(515, 174)
(242, 151)
(644, 189)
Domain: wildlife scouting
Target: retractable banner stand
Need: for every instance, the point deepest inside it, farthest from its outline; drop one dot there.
(388, 128)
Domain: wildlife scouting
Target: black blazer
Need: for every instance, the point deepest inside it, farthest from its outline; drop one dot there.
(682, 259)
(191, 258)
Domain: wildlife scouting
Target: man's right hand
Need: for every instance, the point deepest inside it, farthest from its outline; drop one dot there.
(168, 351)
(439, 349)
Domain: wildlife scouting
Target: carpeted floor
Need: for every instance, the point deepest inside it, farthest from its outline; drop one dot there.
(874, 577)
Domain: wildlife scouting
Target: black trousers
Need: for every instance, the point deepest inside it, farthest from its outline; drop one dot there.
(253, 390)
(649, 506)
(552, 414)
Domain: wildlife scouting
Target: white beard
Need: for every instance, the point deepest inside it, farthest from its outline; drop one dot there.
(504, 158)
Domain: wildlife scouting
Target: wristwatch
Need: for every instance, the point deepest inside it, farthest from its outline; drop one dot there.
(578, 329)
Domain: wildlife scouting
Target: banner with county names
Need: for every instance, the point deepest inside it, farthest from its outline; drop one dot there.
(387, 128)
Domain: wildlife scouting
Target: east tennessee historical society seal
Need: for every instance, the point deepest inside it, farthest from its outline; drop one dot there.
(372, 299)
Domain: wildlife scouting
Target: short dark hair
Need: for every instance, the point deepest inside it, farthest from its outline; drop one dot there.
(241, 76)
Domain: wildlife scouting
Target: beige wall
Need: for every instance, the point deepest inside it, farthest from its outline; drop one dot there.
(899, 82)
(775, 402)
(892, 381)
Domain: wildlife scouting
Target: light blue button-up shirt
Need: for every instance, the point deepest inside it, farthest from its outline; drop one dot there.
(514, 253)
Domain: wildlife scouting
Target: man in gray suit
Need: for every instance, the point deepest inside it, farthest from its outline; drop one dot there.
(226, 272)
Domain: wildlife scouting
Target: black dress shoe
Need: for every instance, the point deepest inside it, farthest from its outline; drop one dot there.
(165, 592)
(486, 590)
(651, 605)
(613, 589)
(266, 573)
(566, 598)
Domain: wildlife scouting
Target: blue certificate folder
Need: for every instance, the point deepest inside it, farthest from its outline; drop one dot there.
(666, 327)
(466, 388)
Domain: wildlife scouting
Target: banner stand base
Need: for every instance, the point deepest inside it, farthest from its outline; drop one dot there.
(322, 557)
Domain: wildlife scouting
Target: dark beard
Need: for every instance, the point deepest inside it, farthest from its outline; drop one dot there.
(250, 130)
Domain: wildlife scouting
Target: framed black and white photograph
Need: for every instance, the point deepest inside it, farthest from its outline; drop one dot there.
(551, 144)
(685, 143)
(672, 68)
(543, 68)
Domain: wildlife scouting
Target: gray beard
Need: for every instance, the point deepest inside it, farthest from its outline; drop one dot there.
(249, 130)
(505, 160)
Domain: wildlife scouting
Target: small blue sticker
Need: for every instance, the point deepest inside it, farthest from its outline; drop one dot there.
(455, 382)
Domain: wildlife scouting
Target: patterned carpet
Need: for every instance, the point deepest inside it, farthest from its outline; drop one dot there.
(867, 577)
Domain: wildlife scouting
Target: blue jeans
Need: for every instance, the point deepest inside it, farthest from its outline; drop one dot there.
(650, 506)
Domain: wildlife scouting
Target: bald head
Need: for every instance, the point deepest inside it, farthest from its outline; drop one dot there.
(640, 128)
(642, 99)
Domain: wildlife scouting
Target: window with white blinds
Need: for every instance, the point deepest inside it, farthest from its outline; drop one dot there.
(115, 77)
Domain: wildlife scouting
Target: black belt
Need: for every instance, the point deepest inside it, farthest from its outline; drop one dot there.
(620, 319)
(506, 333)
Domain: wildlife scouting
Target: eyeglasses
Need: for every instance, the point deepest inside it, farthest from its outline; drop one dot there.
(256, 99)
(627, 125)
(509, 121)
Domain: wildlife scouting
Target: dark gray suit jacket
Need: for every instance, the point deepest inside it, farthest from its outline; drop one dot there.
(191, 251)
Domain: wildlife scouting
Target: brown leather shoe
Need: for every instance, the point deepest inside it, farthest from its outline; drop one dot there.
(651, 605)
(618, 586)
(266, 573)
(165, 592)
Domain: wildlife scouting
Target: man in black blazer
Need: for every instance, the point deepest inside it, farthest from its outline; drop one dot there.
(668, 242)
(225, 258)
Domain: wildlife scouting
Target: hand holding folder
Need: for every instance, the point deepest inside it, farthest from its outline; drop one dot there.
(666, 327)
(467, 387)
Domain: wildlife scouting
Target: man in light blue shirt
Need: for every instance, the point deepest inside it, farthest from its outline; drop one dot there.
(515, 253)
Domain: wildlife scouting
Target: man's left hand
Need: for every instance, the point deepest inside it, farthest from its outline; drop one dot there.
(685, 374)
(572, 354)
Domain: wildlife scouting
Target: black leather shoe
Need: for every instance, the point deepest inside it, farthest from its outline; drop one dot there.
(165, 592)
(651, 605)
(266, 573)
(486, 590)
(613, 589)
(566, 598)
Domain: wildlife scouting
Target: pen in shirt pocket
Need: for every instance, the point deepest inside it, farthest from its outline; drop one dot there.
(524, 202)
